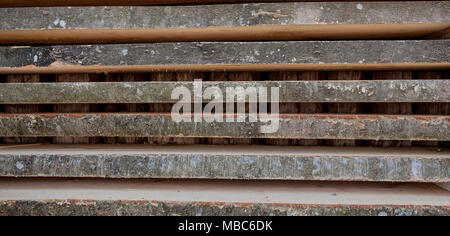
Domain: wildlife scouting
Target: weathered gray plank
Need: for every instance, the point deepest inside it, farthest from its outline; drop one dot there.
(32, 3)
(201, 197)
(213, 56)
(290, 91)
(231, 22)
(308, 126)
(230, 15)
(154, 208)
(221, 162)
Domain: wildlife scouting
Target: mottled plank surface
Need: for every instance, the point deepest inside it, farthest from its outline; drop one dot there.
(227, 55)
(144, 197)
(31, 3)
(154, 208)
(231, 22)
(290, 91)
(315, 126)
(230, 15)
(223, 162)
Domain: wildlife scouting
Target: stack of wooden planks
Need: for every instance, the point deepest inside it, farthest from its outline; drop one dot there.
(86, 100)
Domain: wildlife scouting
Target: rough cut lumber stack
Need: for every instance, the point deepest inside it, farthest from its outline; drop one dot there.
(85, 101)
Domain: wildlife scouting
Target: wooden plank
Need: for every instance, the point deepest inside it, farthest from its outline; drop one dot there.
(223, 162)
(36, 3)
(214, 56)
(232, 22)
(201, 197)
(229, 15)
(308, 126)
(290, 91)
(225, 34)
